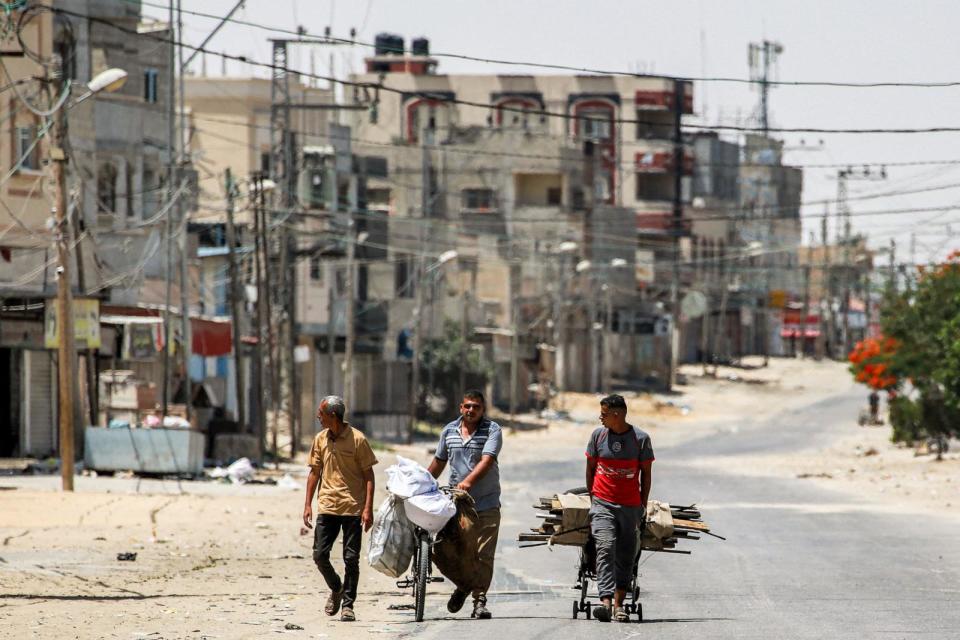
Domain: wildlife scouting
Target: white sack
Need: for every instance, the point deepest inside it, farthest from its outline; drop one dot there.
(240, 471)
(392, 539)
(430, 511)
(407, 478)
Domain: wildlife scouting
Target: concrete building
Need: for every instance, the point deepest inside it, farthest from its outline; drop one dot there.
(770, 196)
(116, 149)
(840, 285)
(507, 187)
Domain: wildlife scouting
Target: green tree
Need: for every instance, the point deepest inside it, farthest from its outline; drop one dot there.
(445, 356)
(925, 322)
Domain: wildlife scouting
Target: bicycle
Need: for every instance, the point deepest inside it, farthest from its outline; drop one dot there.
(420, 573)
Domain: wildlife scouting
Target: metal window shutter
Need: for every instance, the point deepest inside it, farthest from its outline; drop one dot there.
(42, 404)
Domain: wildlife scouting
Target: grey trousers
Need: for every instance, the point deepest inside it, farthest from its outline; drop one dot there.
(614, 528)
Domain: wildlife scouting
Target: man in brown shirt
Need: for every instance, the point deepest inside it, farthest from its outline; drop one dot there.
(341, 463)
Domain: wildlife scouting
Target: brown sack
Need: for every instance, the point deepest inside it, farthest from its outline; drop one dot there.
(455, 551)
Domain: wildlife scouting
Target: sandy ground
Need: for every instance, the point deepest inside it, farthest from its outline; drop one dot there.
(220, 561)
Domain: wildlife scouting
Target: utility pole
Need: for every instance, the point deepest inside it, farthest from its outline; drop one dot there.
(560, 341)
(284, 170)
(892, 282)
(267, 335)
(677, 225)
(514, 332)
(235, 300)
(843, 213)
(171, 182)
(867, 302)
(284, 174)
(464, 327)
(185, 329)
(66, 353)
(351, 329)
(825, 287)
(417, 339)
(262, 299)
(806, 309)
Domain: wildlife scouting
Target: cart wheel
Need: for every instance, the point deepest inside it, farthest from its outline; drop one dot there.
(639, 612)
(589, 613)
(576, 609)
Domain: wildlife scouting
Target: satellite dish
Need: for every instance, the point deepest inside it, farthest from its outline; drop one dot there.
(693, 305)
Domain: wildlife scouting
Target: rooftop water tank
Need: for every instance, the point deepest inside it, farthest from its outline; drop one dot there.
(388, 44)
(420, 46)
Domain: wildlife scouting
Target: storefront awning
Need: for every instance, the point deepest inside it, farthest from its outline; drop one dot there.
(210, 338)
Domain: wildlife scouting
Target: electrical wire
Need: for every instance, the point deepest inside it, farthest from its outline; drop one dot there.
(303, 34)
(487, 105)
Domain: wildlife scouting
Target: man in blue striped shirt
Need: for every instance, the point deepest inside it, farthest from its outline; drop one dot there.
(471, 445)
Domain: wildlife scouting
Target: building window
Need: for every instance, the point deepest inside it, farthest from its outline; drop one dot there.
(596, 123)
(520, 113)
(554, 196)
(29, 157)
(403, 277)
(316, 269)
(150, 85)
(107, 188)
(654, 125)
(128, 190)
(577, 201)
(655, 186)
(479, 200)
(265, 162)
(379, 197)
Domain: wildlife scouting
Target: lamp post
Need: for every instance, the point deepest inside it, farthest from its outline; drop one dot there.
(430, 271)
(560, 338)
(109, 80)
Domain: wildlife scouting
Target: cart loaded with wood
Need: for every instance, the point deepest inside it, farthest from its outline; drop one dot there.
(564, 519)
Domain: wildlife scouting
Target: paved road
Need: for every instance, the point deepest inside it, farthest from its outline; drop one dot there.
(800, 561)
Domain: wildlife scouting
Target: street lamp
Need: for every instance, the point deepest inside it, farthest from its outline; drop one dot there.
(109, 80)
(441, 260)
(560, 325)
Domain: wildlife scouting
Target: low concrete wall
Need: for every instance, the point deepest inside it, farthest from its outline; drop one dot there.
(172, 451)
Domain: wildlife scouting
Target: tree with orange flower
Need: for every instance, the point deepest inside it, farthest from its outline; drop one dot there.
(920, 344)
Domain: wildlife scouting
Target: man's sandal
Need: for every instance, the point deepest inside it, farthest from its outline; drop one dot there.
(602, 613)
(333, 603)
(619, 615)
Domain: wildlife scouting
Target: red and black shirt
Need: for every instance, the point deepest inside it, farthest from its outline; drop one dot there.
(619, 457)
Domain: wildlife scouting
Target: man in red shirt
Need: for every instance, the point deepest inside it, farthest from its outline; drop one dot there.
(619, 474)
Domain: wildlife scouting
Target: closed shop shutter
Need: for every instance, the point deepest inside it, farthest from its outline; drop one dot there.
(42, 401)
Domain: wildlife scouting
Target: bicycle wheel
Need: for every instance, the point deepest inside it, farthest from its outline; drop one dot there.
(422, 575)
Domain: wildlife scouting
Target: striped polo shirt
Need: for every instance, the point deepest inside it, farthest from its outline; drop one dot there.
(463, 456)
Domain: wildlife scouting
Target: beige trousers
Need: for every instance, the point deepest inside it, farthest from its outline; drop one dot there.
(489, 525)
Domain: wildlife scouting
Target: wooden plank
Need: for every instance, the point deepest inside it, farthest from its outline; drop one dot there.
(690, 524)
